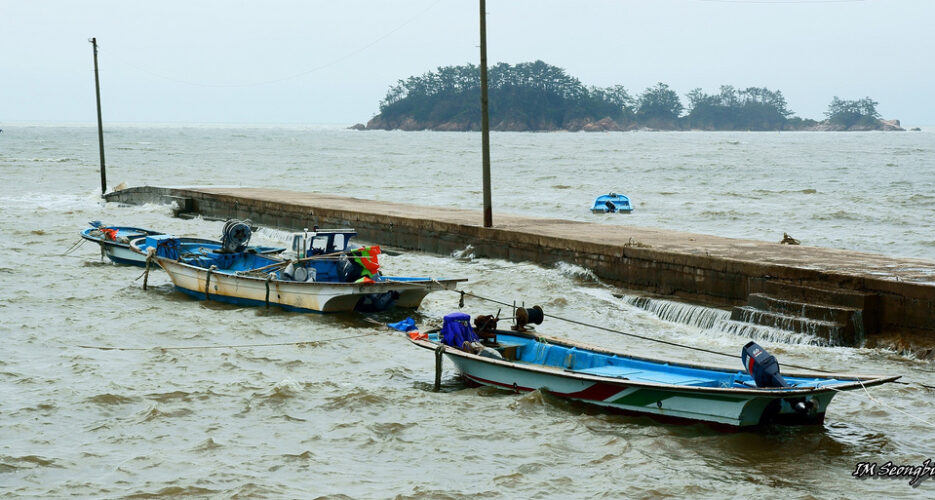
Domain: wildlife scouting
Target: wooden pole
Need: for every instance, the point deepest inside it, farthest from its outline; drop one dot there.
(438, 367)
(100, 123)
(484, 120)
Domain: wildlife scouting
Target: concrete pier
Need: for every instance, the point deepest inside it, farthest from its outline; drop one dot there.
(860, 295)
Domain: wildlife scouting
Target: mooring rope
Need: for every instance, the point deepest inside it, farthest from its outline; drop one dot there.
(881, 405)
(652, 339)
(74, 247)
(604, 328)
(228, 346)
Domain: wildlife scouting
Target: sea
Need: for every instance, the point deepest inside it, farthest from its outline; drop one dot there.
(108, 390)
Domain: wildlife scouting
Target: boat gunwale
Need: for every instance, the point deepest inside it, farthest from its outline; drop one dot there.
(85, 233)
(861, 380)
(421, 283)
(133, 244)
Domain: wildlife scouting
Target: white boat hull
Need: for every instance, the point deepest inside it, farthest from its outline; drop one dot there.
(312, 296)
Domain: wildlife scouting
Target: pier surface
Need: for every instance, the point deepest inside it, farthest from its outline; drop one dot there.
(894, 296)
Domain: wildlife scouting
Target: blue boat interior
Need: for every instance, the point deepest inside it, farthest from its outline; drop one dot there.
(572, 359)
(331, 261)
(124, 234)
(612, 203)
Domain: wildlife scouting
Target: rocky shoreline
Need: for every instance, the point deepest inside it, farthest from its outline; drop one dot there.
(603, 125)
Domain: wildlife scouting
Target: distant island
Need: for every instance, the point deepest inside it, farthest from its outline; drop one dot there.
(540, 97)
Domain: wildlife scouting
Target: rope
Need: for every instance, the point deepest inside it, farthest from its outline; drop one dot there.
(231, 346)
(268, 278)
(74, 247)
(208, 281)
(872, 399)
(150, 255)
(598, 327)
(878, 403)
(651, 339)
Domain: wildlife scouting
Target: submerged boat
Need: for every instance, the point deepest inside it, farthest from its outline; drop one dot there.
(757, 395)
(612, 203)
(329, 277)
(115, 242)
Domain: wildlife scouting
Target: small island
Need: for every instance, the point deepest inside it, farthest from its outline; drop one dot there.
(537, 96)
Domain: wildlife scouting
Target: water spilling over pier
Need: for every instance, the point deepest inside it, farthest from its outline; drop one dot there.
(839, 297)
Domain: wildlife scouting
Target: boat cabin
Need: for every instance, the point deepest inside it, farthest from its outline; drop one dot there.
(322, 241)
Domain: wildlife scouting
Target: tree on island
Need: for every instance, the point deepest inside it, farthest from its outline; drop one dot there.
(849, 114)
(753, 108)
(527, 96)
(539, 96)
(659, 107)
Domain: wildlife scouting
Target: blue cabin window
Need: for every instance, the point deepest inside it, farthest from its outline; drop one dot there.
(319, 244)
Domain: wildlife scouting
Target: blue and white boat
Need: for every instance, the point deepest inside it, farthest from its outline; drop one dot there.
(329, 277)
(758, 395)
(612, 203)
(115, 242)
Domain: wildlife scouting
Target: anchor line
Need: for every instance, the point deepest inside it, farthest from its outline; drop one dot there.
(230, 346)
(611, 330)
(74, 247)
(881, 405)
(667, 342)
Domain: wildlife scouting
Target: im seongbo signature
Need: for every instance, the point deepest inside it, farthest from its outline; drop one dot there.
(915, 473)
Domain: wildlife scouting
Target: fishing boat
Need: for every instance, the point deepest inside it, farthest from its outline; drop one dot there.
(612, 203)
(525, 361)
(329, 277)
(115, 242)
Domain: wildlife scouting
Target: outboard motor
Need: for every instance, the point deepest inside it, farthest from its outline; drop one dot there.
(765, 371)
(762, 366)
(235, 236)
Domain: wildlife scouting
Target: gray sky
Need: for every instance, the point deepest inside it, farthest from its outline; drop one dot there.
(276, 61)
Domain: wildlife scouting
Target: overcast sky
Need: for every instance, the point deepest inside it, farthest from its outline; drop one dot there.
(314, 62)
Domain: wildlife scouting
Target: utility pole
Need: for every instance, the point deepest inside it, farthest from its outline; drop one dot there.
(484, 119)
(100, 124)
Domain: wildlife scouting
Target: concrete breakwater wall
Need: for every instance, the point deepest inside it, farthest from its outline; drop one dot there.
(879, 295)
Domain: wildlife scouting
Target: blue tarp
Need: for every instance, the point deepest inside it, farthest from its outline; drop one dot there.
(456, 329)
(404, 325)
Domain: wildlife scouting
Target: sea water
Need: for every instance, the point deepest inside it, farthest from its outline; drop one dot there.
(197, 402)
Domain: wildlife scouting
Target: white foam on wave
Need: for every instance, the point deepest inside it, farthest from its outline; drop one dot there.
(466, 253)
(577, 272)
